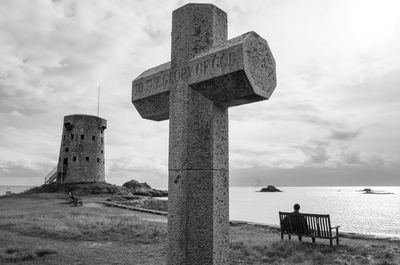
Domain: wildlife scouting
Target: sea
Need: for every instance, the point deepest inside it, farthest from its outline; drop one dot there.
(13, 189)
(349, 207)
(355, 212)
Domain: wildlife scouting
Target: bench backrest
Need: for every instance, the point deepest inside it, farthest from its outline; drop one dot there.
(314, 225)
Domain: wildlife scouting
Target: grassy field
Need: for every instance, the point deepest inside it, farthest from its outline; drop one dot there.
(46, 229)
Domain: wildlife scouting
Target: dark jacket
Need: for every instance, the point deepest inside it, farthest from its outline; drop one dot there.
(295, 223)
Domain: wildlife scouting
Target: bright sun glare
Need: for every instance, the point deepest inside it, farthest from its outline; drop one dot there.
(373, 21)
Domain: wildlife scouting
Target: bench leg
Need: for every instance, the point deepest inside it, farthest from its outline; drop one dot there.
(300, 238)
(282, 236)
(337, 235)
(313, 240)
(330, 241)
(290, 237)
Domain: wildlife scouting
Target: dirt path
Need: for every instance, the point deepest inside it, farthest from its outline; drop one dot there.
(144, 216)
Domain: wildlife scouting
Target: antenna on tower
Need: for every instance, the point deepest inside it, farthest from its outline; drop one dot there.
(98, 101)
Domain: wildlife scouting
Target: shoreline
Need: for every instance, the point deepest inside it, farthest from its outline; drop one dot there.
(272, 227)
(349, 235)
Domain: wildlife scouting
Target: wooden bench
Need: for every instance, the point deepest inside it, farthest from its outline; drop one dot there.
(308, 225)
(77, 201)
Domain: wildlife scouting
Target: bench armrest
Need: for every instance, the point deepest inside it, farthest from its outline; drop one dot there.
(335, 227)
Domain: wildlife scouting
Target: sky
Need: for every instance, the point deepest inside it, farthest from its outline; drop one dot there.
(333, 118)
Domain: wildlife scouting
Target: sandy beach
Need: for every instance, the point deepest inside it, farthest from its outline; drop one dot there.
(47, 229)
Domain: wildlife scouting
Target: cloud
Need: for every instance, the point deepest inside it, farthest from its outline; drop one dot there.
(315, 176)
(367, 159)
(352, 158)
(336, 104)
(24, 173)
(149, 171)
(342, 135)
(315, 152)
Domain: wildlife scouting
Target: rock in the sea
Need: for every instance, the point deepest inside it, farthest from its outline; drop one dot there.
(370, 191)
(144, 189)
(270, 188)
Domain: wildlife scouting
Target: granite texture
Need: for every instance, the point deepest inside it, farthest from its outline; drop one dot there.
(206, 75)
(198, 217)
(198, 136)
(82, 160)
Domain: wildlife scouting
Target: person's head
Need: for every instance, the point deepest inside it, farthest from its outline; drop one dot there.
(296, 207)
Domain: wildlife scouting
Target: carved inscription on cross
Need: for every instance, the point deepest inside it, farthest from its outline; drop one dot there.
(206, 75)
(203, 66)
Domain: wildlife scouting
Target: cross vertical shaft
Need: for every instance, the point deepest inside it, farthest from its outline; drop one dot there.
(198, 157)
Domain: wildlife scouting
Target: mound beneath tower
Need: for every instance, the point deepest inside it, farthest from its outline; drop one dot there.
(80, 188)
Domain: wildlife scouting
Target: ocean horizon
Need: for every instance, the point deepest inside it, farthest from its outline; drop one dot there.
(13, 189)
(348, 206)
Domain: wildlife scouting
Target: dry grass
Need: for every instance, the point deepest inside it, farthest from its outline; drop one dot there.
(45, 229)
(40, 217)
(16, 255)
(259, 245)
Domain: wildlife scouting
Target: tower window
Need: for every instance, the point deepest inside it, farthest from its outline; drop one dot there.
(98, 160)
(87, 158)
(82, 137)
(74, 158)
(102, 140)
(66, 149)
(94, 138)
(72, 137)
(102, 151)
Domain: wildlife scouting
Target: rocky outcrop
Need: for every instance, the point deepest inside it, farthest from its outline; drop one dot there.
(270, 188)
(370, 191)
(144, 189)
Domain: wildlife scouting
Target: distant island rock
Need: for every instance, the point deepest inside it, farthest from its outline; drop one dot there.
(370, 191)
(270, 188)
(144, 189)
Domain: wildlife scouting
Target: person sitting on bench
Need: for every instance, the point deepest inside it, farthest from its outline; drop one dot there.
(295, 223)
(77, 201)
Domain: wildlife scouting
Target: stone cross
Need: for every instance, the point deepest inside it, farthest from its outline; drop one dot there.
(206, 75)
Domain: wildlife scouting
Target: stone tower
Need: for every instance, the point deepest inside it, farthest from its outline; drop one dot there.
(82, 150)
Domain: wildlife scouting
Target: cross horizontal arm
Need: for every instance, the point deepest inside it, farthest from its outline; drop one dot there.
(240, 71)
(150, 93)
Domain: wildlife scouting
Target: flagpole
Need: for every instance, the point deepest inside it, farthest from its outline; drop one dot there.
(98, 101)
